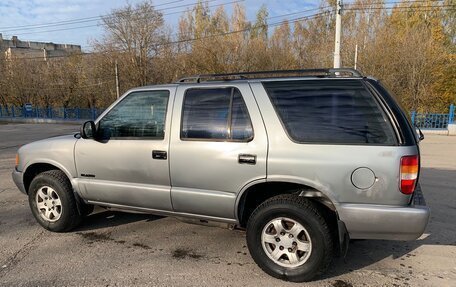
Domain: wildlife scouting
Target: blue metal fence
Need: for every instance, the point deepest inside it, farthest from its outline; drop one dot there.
(433, 121)
(420, 120)
(50, 113)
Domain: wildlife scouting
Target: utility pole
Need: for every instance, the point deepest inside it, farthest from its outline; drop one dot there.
(117, 79)
(356, 55)
(338, 34)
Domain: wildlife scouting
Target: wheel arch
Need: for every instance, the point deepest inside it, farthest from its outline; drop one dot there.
(35, 168)
(257, 192)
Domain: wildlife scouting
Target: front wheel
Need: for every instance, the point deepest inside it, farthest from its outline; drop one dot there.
(289, 239)
(52, 201)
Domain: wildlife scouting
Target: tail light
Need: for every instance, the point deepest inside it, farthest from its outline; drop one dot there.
(409, 173)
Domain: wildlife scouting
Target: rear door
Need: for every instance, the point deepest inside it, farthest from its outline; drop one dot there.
(218, 146)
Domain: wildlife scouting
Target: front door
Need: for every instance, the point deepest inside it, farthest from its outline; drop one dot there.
(218, 146)
(128, 165)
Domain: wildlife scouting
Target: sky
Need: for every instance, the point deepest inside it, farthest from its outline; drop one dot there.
(15, 14)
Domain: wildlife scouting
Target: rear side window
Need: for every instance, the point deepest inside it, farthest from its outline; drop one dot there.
(215, 114)
(330, 111)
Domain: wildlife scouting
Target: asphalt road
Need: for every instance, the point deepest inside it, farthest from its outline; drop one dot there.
(119, 249)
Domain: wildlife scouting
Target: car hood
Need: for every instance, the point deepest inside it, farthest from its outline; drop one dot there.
(58, 151)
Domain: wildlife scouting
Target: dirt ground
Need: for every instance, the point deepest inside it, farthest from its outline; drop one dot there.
(119, 249)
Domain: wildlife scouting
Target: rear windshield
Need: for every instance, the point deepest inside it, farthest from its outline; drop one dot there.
(330, 111)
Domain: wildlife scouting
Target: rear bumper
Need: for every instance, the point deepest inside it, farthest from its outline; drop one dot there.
(17, 178)
(367, 221)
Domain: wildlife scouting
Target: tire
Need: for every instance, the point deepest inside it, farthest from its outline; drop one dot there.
(310, 256)
(53, 193)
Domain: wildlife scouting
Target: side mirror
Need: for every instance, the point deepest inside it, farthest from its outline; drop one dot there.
(419, 133)
(88, 130)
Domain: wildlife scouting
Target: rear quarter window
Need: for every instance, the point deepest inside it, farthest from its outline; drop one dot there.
(330, 111)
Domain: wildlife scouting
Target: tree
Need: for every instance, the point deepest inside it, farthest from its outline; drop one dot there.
(260, 27)
(409, 54)
(409, 48)
(4, 85)
(133, 34)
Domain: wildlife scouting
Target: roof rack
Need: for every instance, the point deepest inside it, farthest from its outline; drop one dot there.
(336, 72)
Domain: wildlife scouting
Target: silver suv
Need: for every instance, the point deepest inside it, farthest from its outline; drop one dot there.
(303, 160)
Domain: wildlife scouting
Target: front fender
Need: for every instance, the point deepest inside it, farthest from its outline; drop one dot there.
(57, 152)
(71, 174)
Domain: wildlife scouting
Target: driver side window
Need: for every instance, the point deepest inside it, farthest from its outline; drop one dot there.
(139, 115)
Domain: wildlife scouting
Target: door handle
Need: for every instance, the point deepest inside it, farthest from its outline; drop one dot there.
(247, 158)
(159, 154)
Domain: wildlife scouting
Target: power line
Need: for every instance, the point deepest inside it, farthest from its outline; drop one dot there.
(350, 7)
(271, 17)
(404, 7)
(300, 12)
(95, 18)
(102, 24)
(405, 2)
(410, 10)
(269, 25)
(308, 17)
(398, 2)
(369, 7)
(247, 29)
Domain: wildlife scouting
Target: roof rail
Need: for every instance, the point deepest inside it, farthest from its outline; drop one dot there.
(336, 72)
(353, 72)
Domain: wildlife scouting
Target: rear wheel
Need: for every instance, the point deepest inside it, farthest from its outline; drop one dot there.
(289, 239)
(52, 201)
